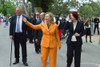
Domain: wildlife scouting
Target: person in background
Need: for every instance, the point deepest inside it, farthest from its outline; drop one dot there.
(31, 32)
(4, 19)
(63, 23)
(7, 20)
(49, 40)
(0, 20)
(19, 33)
(80, 18)
(38, 34)
(96, 23)
(88, 29)
(92, 25)
(74, 40)
(42, 17)
(59, 23)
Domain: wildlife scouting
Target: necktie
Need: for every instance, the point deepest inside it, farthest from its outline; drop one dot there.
(18, 25)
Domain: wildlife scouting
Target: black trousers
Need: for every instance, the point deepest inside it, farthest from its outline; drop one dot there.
(31, 36)
(38, 45)
(96, 26)
(73, 50)
(19, 39)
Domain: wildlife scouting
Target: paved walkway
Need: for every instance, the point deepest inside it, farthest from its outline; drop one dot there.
(90, 52)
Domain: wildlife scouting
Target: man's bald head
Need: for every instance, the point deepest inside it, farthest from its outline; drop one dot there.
(37, 14)
(18, 11)
(42, 15)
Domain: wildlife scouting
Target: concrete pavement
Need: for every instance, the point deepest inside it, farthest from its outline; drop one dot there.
(90, 53)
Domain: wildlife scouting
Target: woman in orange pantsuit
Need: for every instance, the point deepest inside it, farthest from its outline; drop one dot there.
(49, 41)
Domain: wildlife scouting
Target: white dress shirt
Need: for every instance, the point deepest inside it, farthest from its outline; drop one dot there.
(89, 26)
(20, 24)
(43, 21)
(73, 37)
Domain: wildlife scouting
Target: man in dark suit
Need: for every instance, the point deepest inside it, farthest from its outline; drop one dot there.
(96, 23)
(19, 33)
(31, 31)
(38, 34)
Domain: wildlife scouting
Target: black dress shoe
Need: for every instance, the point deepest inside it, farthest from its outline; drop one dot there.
(37, 52)
(26, 64)
(40, 50)
(16, 62)
(86, 41)
(90, 41)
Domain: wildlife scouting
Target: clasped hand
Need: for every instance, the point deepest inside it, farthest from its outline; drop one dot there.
(77, 34)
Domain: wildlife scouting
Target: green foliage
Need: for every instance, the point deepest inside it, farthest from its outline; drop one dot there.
(73, 4)
(38, 3)
(59, 8)
(1, 7)
(44, 4)
(91, 9)
(8, 4)
(86, 10)
(96, 8)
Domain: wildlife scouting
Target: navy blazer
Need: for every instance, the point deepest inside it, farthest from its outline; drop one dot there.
(79, 29)
(13, 27)
(38, 33)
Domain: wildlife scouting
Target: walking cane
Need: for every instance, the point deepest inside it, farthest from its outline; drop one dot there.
(11, 53)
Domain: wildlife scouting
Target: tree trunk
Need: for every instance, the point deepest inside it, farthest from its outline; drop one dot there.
(26, 8)
(44, 6)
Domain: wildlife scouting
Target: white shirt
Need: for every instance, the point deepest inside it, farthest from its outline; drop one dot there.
(20, 23)
(43, 21)
(89, 26)
(73, 37)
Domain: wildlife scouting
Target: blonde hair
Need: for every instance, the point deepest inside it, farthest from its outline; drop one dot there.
(88, 20)
(51, 16)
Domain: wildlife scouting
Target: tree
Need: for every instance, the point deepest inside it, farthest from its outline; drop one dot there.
(89, 9)
(26, 8)
(73, 4)
(96, 8)
(86, 10)
(59, 8)
(10, 5)
(1, 1)
(44, 4)
(1, 5)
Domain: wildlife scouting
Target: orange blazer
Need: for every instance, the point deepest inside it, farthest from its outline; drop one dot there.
(50, 36)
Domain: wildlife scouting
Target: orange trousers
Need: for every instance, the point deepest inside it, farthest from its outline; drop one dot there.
(52, 53)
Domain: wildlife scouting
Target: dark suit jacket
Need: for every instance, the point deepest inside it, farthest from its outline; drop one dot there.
(79, 29)
(38, 33)
(31, 31)
(13, 27)
(96, 21)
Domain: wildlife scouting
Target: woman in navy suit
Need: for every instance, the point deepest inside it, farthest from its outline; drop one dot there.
(74, 40)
